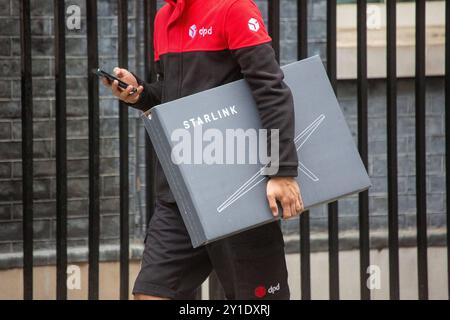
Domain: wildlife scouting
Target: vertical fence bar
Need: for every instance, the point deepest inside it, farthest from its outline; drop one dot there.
(302, 29)
(124, 162)
(61, 150)
(139, 34)
(305, 263)
(391, 121)
(364, 244)
(421, 191)
(150, 75)
(140, 219)
(94, 150)
(274, 25)
(333, 254)
(333, 222)
(447, 131)
(27, 147)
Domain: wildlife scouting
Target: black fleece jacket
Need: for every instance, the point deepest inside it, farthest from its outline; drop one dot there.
(246, 53)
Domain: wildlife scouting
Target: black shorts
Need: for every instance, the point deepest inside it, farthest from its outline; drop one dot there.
(250, 265)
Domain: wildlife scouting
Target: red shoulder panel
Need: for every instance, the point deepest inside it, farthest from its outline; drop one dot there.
(161, 17)
(244, 25)
(208, 25)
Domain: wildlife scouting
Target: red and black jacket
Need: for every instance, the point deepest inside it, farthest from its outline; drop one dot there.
(202, 44)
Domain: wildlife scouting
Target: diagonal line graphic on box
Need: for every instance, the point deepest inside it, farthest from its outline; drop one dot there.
(257, 178)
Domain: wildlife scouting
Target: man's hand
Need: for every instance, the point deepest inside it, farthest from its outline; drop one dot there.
(128, 78)
(287, 192)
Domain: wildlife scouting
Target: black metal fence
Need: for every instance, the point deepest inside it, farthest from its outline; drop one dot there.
(149, 8)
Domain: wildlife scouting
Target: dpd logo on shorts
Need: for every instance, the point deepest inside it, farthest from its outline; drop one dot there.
(261, 291)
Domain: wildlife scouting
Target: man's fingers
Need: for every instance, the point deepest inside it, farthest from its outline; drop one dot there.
(273, 205)
(125, 95)
(294, 210)
(287, 213)
(298, 202)
(287, 192)
(301, 203)
(138, 92)
(298, 206)
(135, 96)
(115, 89)
(119, 72)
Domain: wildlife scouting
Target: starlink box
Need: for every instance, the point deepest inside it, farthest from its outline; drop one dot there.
(219, 189)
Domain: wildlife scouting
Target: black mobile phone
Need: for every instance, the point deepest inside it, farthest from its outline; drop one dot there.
(111, 78)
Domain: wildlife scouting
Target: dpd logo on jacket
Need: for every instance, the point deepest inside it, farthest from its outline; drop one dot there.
(193, 31)
(203, 32)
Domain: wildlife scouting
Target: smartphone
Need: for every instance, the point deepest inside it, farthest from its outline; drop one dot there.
(111, 78)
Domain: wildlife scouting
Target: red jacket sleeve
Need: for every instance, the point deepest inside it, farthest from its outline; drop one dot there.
(244, 25)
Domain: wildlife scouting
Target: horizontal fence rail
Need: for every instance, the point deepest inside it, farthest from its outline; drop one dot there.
(147, 16)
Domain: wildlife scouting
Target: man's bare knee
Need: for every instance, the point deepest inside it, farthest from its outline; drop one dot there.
(145, 297)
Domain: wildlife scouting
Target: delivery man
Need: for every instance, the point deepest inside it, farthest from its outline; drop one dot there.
(199, 45)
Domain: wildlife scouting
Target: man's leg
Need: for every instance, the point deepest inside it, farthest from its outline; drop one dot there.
(252, 264)
(171, 268)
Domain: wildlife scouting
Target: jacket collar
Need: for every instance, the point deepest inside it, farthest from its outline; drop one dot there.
(179, 6)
